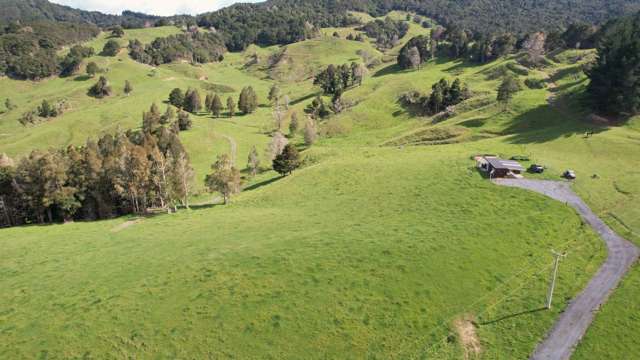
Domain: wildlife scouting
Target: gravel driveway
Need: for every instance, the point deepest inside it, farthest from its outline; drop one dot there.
(575, 320)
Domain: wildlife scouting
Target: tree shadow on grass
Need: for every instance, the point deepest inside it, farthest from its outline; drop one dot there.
(82, 78)
(510, 316)
(388, 70)
(205, 206)
(306, 97)
(262, 183)
(544, 123)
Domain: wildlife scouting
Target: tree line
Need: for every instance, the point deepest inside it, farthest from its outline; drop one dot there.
(121, 173)
(191, 101)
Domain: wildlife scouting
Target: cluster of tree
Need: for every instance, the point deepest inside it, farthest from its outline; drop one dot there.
(45, 111)
(30, 52)
(101, 88)
(153, 121)
(443, 95)
(117, 31)
(415, 52)
(111, 48)
(71, 62)
(356, 37)
(213, 104)
(119, 174)
(615, 86)
(387, 32)
(276, 22)
(336, 79)
(189, 100)
(198, 47)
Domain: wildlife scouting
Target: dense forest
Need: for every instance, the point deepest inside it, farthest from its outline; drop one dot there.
(276, 22)
(286, 21)
(27, 11)
(29, 52)
(615, 86)
(195, 47)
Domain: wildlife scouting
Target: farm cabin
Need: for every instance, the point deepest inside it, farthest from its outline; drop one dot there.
(499, 168)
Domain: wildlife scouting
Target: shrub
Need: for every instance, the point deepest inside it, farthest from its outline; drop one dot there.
(533, 83)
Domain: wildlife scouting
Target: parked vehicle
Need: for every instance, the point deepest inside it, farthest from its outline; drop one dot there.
(569, 174)
(536, 169)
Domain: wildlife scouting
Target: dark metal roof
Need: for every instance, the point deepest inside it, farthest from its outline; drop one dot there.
(498, 163)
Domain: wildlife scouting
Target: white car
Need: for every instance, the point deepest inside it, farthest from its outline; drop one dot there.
(569, 174)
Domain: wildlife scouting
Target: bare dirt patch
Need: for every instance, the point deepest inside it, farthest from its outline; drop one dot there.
(468, 337)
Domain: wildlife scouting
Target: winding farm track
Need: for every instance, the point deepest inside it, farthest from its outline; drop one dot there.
(234, 147)
(575, 320)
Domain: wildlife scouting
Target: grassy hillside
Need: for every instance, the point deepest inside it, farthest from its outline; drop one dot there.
(375, 248)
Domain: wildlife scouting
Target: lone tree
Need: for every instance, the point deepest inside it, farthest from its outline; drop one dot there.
(92, 69)
(294, 125)
(111, 48)
(507, 89)
(277, 144)
(101, 88)
(253, 162)
(192, 101)
(248, 101)
(216, 106)
(176, 98)
(46, 110)
(9, 104)
(231, 106)
(287, 161)
(274, 94)
(184, 121)
(225, 178)
(128, 89)
(414, 58)
(310, 132)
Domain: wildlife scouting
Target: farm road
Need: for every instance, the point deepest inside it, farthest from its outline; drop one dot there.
(575, 320)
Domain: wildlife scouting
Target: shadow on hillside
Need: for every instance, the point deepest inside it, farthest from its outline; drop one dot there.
(569, 85)
(205, 206)
(82, 78)
(510, 316)
(306, 97)
(544, 123)
(263, 183)
(388, 70)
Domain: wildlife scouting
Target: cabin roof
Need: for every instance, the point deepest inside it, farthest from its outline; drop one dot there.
(498, 163)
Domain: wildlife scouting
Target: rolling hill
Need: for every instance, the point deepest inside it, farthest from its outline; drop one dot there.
(387, 243)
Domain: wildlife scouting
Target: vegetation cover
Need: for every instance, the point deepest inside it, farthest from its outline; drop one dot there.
(193, 47)
(360, 243)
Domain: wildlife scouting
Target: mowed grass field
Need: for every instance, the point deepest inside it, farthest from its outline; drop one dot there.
(370, 250)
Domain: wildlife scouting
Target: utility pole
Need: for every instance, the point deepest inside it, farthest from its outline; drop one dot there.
(558, 256)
